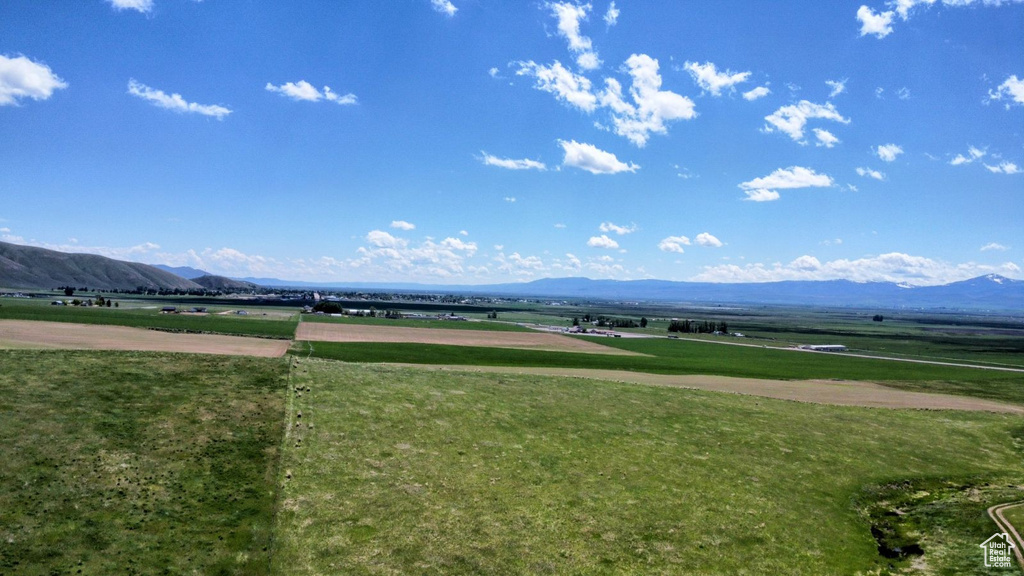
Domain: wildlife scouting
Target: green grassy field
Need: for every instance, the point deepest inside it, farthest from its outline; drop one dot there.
(684, 357)
(283, 327)
(396, 471)
(128, 463)
(417, 323)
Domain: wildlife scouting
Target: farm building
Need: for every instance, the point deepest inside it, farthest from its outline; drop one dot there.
(824, 347)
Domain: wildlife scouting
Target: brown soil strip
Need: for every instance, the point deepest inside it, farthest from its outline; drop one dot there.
(835, 392)
(32, 334)
(996, 513)
(324, 332)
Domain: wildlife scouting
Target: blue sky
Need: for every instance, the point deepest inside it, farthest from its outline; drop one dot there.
(474, 141)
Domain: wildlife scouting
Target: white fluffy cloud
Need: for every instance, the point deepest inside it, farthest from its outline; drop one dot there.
(707, 240)
(602, 241)
(620, 230)
(825, 138)
(143, 6)
(444, 7)
(1012, 89)
(761, 195)
(305, 91)
(891, 267)
(674, 244)
(390, 256)
(972, 155)
(710, 80)
(22, 78)
(888, 152)
(402, 225)
(877, 23)
(560, 81)
(569, 16)
(511, 164)
(649, 111)
(792, 119)
(611, 17)
(175, 102)
(1004, 168)
(592, 159)
(869, 173)
(789, 178)
(652, 107)
(759, 92)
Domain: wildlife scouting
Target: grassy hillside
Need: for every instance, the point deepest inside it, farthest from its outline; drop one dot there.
(397, 471)
(124, 463)
(31, 267)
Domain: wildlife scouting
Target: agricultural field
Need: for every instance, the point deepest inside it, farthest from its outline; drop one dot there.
(145, 313)
(138, 463)
(405, 448)
(395, 470)
(472, 324)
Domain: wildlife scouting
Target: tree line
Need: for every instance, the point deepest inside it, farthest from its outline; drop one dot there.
(698, 327)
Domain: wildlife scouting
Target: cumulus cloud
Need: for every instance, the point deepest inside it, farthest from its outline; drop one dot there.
(511, 164)
(510, 199)
(602, 241)
(21, 78)
(402, 225)
(789, 178)
(888, 152)
(175, 102)
(674, 244)
(707, 240)
(651, 108)
(444, 7)
(869, 173)
(620, 230)
(1012, 89)
(387, 255)
(305, 91)
(877, 23)
(569, 16)
(590, 158)
(994, 246)
(143, 6)
(710, 80)
(891, 267)
(837, 86)
(825, 138)
(973, 154)
(792, 119)
(556, 79)
(759, 92)
(611, 17)
(1004, 168)
(761, 195)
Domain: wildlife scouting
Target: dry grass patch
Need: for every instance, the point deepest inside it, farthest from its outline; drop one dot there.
(63, 335)
(323, 332)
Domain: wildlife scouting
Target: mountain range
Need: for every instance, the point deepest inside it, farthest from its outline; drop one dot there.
(30, 267)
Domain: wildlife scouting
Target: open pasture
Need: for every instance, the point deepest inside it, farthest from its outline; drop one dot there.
(61, 335)
(532, 340)
(149, 316)
(138, 463)
(398, 470)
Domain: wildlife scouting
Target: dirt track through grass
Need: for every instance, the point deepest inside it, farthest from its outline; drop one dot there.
(834, 392)
(63, 335)
(521, 340)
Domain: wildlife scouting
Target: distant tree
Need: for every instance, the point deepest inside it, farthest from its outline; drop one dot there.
(327, 307)
(878, 318)
(69, 291)
(679, 326)
(575, 321)
(493, 314)
(116, 305)
(643, 322)
(108, 303)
